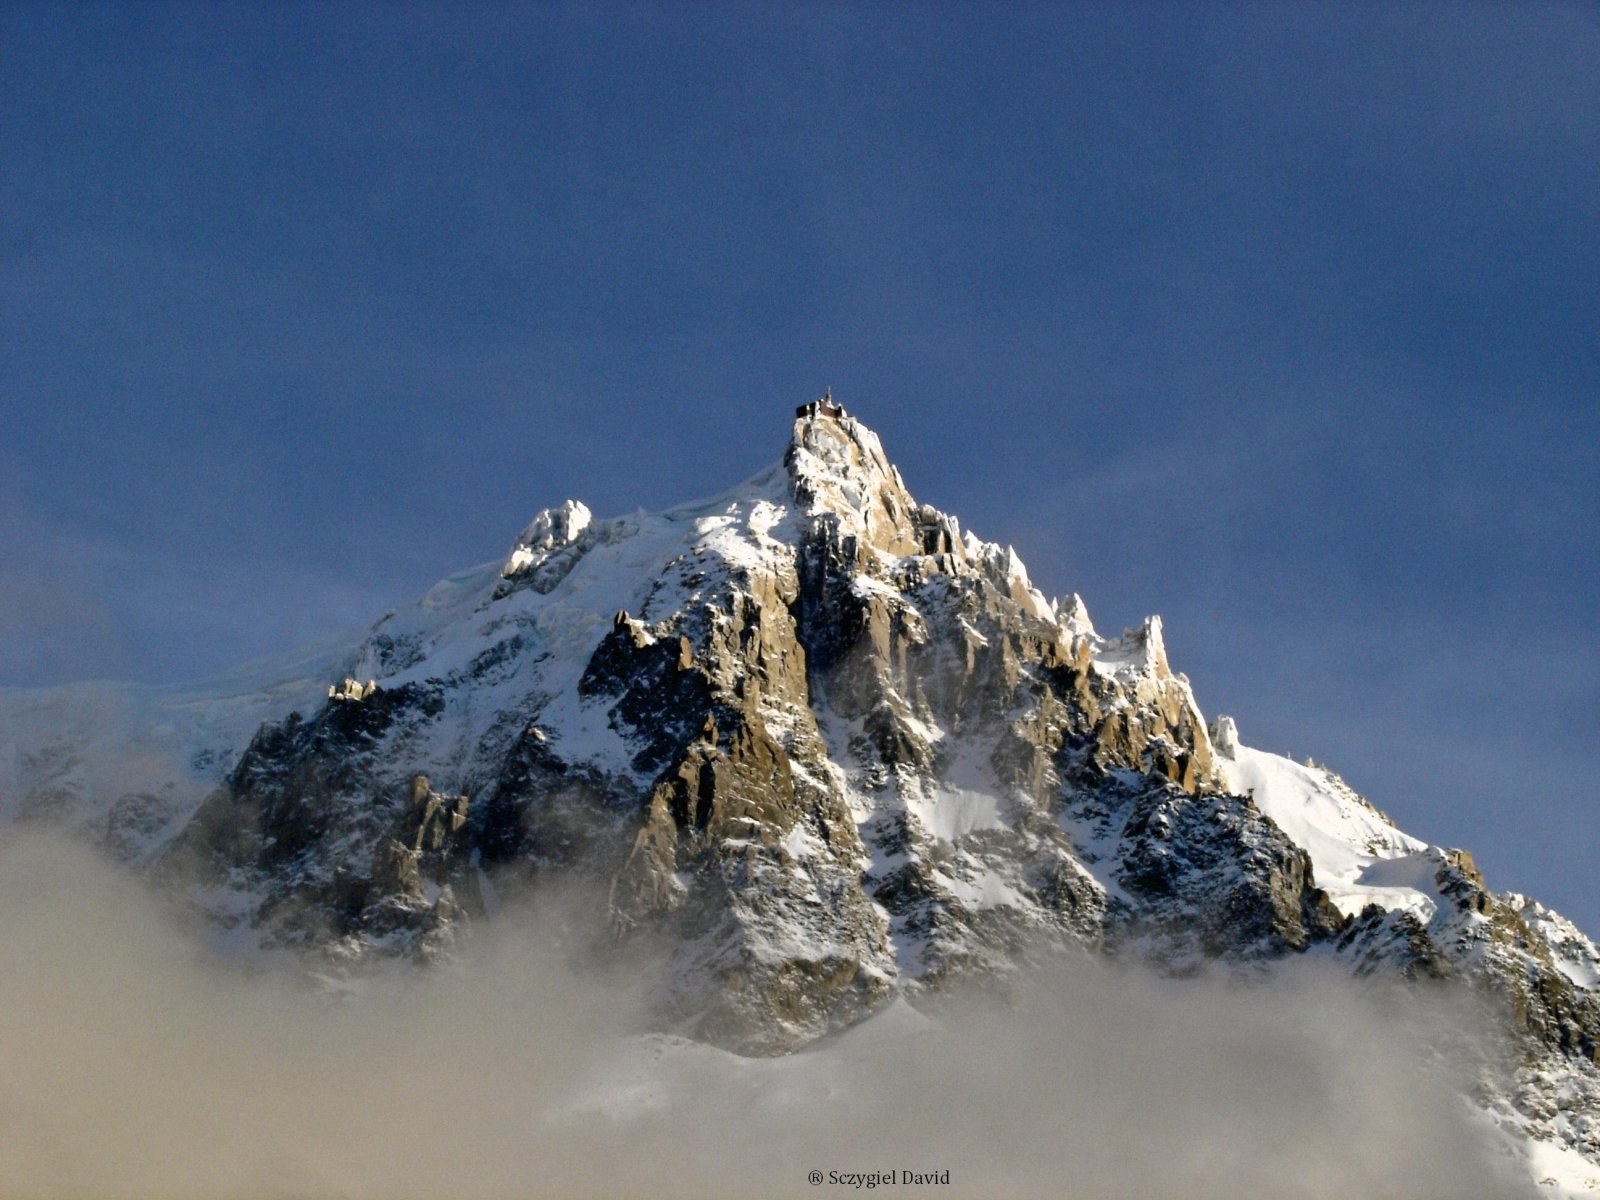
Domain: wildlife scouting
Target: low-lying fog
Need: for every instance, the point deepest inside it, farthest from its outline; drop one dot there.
(133, 1064)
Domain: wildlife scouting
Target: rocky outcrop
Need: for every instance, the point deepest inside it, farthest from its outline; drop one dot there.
(1207, 877)
(549, 548)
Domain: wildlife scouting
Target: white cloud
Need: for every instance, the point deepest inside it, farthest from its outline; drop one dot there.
(131, 1065)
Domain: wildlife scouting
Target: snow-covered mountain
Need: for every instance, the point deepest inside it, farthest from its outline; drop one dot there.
(830, 747)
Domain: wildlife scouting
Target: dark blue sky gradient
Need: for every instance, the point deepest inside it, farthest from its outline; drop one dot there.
(1281, 321)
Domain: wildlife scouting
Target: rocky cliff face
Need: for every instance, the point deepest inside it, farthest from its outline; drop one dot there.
(831, 748)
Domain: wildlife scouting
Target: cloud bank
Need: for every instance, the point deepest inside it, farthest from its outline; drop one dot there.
(133, 1063)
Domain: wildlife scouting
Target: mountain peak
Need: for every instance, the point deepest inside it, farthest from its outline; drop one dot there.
(820, 744)
(837, 465)
(550, 545)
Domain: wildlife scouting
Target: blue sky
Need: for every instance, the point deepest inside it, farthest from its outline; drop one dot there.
(1282, 321)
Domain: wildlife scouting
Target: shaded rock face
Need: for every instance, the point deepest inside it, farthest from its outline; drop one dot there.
(334, 858)
(829, 748)
(1205, 876)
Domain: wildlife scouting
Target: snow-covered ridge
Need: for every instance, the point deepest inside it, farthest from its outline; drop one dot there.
(1359, 856)
(1575, 955)
(126, 764)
